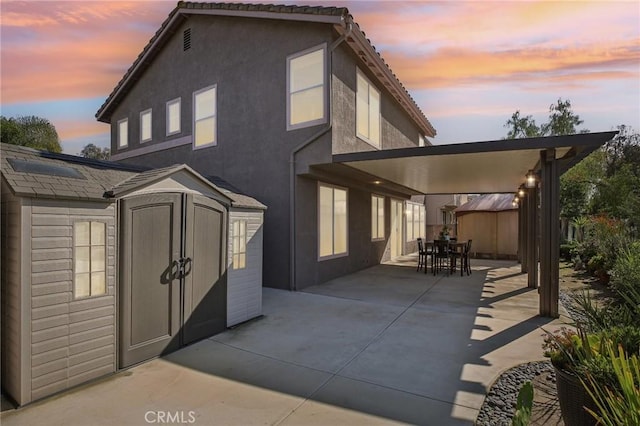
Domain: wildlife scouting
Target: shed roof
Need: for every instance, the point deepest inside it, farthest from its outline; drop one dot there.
(39, 178)
(487, 203)
(33, 173)
(339, 17)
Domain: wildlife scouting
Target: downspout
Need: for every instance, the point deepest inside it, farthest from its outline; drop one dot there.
(292, 158)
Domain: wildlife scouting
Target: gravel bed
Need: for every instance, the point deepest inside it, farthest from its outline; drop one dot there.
(499, 405)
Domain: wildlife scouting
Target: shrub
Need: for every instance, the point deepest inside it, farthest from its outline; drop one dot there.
(567, 250)
(626, 270)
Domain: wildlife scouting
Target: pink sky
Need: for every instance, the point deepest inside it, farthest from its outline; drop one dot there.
(468, 65)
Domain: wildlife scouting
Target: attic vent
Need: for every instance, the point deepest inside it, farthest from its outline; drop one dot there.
(186, 39)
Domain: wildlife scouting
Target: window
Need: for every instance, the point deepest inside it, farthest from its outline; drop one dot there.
(415, 221)
(204, 117)
(145, 126)
(422, 140)
(306, 88)
(332, 221)
(377, 217)
(123, 133)
(89, 259)
(368, 111)
(173, 117)
(239, 250)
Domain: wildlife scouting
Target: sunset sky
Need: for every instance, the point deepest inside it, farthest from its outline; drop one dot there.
(468, 64)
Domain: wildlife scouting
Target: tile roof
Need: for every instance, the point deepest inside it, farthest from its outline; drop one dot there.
(94, 178)
(156, 42)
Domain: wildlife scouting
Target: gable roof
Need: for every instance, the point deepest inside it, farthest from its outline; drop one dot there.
(339, 17)
(487, 203)
(32, 173)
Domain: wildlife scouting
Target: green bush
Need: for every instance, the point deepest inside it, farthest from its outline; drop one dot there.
(567, 250)
(626, 270)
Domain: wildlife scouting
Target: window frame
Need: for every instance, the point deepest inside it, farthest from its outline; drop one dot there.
(418, 217)
(325, 97)
(74, 258)
(167, 115)
(370, 86)
(379, 199)
(119, 133)
(237, 238)
(213, 87)
(142, 114)
(334, 255)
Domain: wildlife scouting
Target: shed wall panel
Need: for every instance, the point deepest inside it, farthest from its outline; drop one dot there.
(72, 339)
(244, 286)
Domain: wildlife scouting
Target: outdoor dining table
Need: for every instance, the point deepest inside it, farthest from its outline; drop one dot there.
(456, 248)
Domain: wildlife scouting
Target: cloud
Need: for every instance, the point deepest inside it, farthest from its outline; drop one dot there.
(61, 50)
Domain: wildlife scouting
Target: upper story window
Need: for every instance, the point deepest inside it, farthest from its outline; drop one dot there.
(204, 117)
(306, 92)
(377, 217)
(239, 246)
(145, 126)
(89, 259)
(422, 140)
(368, 111)
(332, 221)
(123, 133)
(173, 117)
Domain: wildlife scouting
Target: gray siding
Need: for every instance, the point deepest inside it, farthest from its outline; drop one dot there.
(15, 367)
(244, 286)
(72, 340)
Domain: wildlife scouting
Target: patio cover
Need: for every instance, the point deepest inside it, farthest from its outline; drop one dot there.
(469, 168)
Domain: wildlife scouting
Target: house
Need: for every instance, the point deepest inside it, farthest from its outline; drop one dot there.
(102, 267)
(264, 96)
(440, 212)
(491, 222)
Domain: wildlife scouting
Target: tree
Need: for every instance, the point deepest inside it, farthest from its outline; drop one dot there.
(95, 152)
(30, 131)
(562, 120)
(522, 127)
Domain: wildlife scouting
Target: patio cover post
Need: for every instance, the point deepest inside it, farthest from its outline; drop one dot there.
(522, 233)
(549, 234)
(532, 237)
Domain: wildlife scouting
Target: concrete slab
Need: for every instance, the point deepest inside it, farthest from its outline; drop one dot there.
(383, 345)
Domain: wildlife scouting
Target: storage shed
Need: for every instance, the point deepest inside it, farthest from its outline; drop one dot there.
(491, 221)
(105, 266)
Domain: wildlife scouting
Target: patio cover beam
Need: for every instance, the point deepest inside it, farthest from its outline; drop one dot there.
(549, 234)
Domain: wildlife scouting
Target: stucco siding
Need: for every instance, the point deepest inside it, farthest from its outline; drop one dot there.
(72, 340)
(14, 329)
(244, 286)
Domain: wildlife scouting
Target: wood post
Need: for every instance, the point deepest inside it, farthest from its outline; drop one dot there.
(532, 237)
(522, 233)
(549, 234)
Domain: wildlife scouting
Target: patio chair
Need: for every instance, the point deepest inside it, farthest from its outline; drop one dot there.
(422, 256)
(441, 256)
(466, 255)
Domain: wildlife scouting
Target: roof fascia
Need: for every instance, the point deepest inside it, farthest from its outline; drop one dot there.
(365, 51)
(304, 17)
(593, 140)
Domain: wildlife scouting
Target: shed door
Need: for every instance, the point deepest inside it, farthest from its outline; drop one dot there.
(173, 279)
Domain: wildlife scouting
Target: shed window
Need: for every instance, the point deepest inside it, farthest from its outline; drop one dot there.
(332, 221)
(239, 248)
(89, 259)
(306, 80)
(368, 111)
(377, 217)
(145, 126)
(204, 117)
(123, 133)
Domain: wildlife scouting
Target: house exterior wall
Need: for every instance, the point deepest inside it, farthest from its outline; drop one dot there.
(253, 145)
(15, 294)
(244, 286)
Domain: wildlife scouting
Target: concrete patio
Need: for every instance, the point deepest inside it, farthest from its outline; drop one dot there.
(383, 345)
